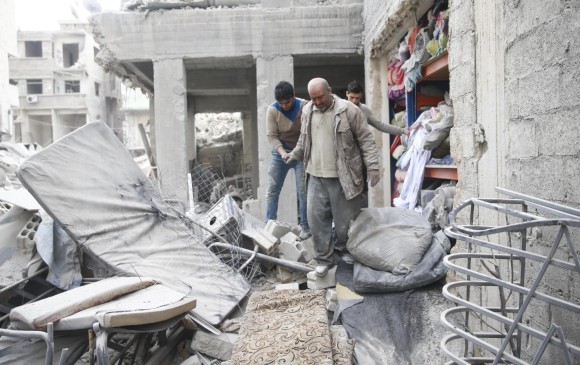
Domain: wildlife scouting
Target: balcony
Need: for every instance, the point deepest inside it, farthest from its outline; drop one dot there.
(58, 101)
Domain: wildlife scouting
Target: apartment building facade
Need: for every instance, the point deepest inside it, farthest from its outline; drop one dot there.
(60, 86)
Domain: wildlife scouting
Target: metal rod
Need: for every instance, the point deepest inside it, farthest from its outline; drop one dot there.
(281, 262)
(540, 202)
(256, 247)
(506, 284)
(6, 288)
(494, 246)
(466, 305)
(47, 337)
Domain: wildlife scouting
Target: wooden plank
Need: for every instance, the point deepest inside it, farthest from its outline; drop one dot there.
(441, 172)
(436, 68)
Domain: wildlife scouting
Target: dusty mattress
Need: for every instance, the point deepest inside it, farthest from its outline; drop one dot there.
(89, 183)
(284, 327)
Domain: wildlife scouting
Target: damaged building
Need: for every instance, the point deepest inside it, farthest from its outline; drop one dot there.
(473, 260)
(61, 88)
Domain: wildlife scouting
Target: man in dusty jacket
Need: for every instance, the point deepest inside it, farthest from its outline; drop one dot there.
(335, 141)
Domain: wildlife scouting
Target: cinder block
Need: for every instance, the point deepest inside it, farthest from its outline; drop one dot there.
(291, 248)
(331, 299)
(279, 229)
(268, 244)
(4, 207)
(309, 252)
(25, 239)
(322, 282)
(217, 346)
(222, 219)
(288, 286)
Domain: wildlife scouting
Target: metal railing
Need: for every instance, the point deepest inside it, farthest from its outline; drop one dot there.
(504, 344)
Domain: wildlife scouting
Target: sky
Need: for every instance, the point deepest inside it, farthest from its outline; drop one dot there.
(45, 14)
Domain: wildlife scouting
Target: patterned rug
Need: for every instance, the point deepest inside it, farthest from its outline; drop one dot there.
(284, 327)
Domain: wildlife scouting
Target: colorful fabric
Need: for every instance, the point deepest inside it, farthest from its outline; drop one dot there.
(284, 327)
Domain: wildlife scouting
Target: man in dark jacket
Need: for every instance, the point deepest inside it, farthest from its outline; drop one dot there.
(335, 142)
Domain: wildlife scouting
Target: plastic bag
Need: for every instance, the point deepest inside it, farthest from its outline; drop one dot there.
(431, 269)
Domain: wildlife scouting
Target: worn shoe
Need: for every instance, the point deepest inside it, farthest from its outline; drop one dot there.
(321, 270)
(305, 234)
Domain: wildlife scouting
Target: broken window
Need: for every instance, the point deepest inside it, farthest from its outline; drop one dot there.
(34, 86)
(33, 49)
(70, 54)
(97, 89)
(72, 86)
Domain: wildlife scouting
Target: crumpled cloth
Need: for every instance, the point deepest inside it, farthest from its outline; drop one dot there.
(412, 69)
(395, 76)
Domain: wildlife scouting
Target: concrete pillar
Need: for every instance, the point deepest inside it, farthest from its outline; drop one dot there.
(270, 71)
(25, 132)
(375, 93)
(171, 124)
(55, 121)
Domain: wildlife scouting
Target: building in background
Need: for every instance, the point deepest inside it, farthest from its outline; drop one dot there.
(60, 86)
(8, 91)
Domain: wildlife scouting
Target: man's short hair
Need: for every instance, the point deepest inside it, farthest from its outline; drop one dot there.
(354, 87)
(283, 91)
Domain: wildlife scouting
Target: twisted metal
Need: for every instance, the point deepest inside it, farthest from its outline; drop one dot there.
(508, 315)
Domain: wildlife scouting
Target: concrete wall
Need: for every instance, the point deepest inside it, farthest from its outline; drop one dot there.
(514, 84)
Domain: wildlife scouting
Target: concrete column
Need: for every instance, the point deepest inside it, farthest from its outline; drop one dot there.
(270, 71)
(376, 97)
(171, 127)
(56, 129)
(25, 132)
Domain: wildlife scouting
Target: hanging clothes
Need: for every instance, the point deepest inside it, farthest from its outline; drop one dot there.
(414, 161)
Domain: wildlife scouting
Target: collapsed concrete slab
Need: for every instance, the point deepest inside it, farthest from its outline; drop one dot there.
(88, 182)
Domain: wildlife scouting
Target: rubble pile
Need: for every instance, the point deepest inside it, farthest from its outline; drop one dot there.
(115, 273)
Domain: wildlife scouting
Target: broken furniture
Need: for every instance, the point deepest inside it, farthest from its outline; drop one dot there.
(88, 182)
(513, 256)
(115, 305)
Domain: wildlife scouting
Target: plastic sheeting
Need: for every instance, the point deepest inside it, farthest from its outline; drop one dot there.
(90, 185)
(396, 328)
(429, 270)
(59, 252)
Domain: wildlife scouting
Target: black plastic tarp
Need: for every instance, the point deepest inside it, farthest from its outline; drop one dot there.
(396, 328)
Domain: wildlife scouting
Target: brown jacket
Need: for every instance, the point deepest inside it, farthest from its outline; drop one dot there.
(354, 145)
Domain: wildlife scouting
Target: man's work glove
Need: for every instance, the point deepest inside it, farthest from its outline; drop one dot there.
(373, 176)
(288, 158)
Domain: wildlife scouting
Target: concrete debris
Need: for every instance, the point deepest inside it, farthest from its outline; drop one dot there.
(216, 346)
(331, 299)
(268, 244)
(288, 286)
(231, 325)
(11, 156)
(278, 229)
(291, 248)
(285, 276)
(147, 5)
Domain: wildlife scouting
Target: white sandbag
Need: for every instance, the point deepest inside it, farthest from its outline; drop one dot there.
(389, 239)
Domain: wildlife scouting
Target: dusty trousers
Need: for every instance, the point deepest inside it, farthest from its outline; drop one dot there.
(326, 203)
